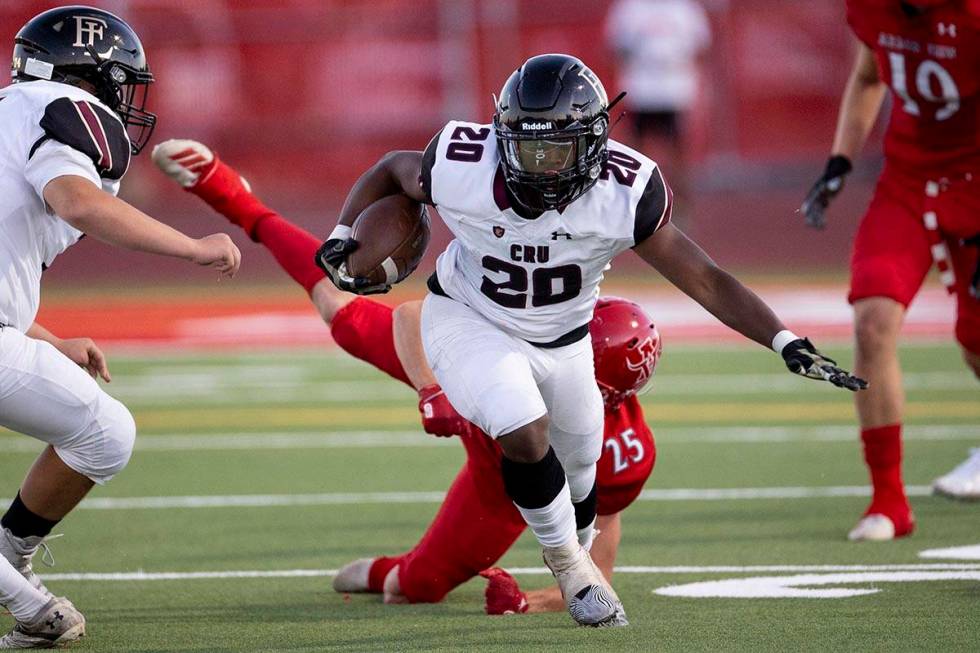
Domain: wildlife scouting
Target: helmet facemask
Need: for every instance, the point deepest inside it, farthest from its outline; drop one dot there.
(125, 90)
(550, 169)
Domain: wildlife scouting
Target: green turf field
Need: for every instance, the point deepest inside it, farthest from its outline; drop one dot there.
(326, 461)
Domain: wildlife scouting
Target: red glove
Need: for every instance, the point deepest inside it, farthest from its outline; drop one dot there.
(438, 415)
(503, 594)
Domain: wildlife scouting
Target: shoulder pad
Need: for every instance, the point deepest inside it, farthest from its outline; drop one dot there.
(93, 131)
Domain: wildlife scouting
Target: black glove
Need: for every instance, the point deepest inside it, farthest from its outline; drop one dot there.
(332, 259)
(803, 358)
(824, 190)
(975, 281)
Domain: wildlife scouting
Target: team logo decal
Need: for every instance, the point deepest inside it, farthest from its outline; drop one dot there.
(498, 231)
(642, 359)
(87, 28)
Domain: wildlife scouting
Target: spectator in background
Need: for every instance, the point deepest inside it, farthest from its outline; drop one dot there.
(657, 44)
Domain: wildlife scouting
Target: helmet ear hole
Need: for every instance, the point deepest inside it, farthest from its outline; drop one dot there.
(632, 343)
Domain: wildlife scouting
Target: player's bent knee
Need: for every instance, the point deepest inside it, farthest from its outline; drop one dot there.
(115, 428)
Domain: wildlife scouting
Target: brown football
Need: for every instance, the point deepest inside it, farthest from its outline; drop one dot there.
(392, 235)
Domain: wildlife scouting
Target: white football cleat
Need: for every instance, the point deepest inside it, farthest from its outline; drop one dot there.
(57, 624)
(183, 160)
(589, 598)
(873, 528)
(963, 482)
(353, 577)
(19, 552)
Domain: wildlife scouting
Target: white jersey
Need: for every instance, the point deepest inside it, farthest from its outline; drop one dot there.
(47, 130)
(536, 279)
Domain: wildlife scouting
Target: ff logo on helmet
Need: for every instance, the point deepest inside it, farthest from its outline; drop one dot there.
(86, 29)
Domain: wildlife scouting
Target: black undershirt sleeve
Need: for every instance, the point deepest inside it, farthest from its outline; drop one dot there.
(653, 209)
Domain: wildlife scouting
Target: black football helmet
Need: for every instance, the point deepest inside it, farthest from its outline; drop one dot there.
(552, 124)
(84, 44)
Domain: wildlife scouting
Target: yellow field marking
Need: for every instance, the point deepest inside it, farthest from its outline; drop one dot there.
(401, 416)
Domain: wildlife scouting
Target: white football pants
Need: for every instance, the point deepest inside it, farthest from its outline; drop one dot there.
(501, 383)
(45, 395)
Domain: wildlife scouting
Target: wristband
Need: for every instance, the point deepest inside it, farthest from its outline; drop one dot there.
(341, 231)
(838, 166)
(782, 339)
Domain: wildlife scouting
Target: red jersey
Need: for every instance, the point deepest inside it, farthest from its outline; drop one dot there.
(931, 62)
(628, 455)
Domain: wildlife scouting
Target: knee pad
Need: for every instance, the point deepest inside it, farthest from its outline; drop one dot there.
(103, 448)
(578, 455)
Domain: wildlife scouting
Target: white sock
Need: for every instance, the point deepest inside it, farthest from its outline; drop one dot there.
(586, 535)
(554, 524)
(18, 595)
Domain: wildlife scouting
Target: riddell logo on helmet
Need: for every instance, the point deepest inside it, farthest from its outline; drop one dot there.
(537, 125)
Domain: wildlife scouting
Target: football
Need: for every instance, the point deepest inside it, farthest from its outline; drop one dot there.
(392, 235)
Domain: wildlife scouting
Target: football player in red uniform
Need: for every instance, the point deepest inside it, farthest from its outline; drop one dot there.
(478, 522)
(926, 210)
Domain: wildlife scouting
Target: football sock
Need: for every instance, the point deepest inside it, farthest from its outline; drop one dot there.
(585, 512)
(363, 328)
(379, 571)
(540, 492)
(23, 523)
(883, 455)
(293, 247)
(223, 190)
(17, 594)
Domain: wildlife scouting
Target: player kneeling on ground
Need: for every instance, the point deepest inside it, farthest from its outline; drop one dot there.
(539, 202)
(626, 345)
(63, 129)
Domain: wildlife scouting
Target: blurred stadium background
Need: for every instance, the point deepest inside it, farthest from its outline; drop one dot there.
(303, 95)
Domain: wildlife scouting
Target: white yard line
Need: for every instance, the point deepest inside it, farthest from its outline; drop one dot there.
(366, 498)
(411, 439)
(522, 571)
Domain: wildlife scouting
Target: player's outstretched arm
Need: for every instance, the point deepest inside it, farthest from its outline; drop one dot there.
(89, 209)
(858, 110)
(396, 172)
(686, 265)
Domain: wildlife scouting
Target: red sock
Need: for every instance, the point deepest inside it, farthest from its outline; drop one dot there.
(379, 571)
(883, 455)
(293, 247)
(363, 329)
(222, 188)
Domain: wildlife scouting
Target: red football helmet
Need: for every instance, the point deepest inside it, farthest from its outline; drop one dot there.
(626, 345)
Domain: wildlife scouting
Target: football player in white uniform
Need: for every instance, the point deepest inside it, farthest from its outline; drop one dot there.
(64, 147)
(539, 202)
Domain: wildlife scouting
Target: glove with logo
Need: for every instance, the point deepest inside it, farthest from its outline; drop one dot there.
(803, 358)
(824, 190)
(439, 418)
(332, 259)
(503, 595)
